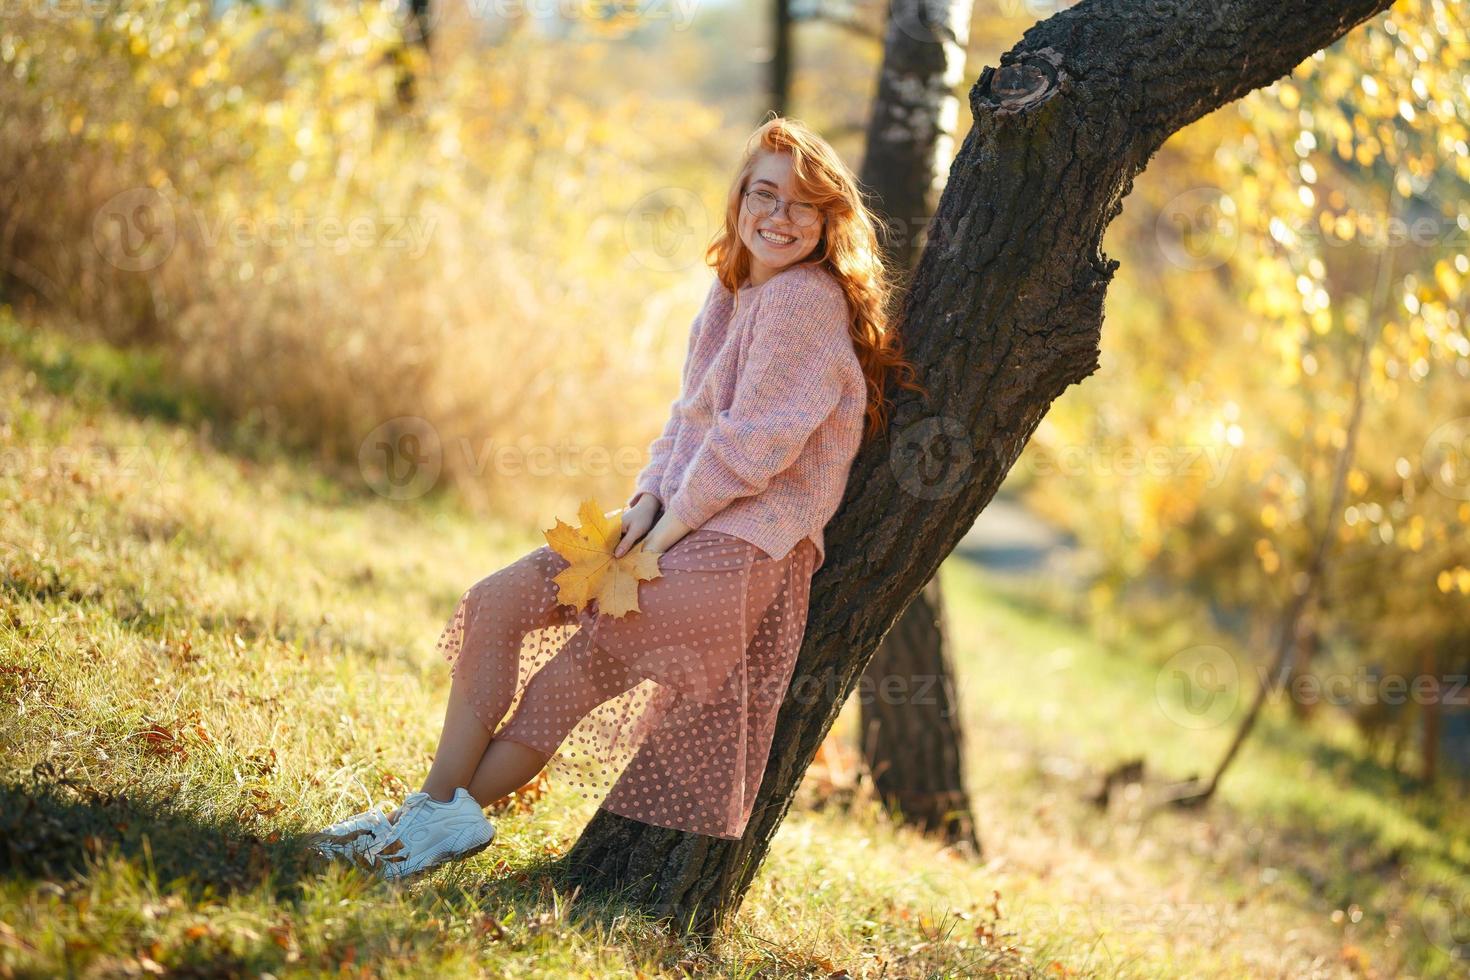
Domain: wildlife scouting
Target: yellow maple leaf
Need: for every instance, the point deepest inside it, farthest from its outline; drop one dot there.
(594, 572)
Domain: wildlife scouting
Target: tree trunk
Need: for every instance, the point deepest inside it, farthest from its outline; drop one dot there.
(781, 56)
(911, 129)
(416, 31)
(1005, 312)
(1430, 709)
(1309, 645)
(911, 732)
(913, 743)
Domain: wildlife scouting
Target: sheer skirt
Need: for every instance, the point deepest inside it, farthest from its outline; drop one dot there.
(665, 715)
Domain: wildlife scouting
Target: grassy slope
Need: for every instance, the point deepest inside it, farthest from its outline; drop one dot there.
(204, 654)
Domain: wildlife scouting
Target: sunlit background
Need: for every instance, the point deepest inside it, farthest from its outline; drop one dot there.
(298, 234)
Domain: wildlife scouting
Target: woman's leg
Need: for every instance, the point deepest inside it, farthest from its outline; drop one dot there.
(505, 767)
(461, 742)
(579, 678)
(497, 613)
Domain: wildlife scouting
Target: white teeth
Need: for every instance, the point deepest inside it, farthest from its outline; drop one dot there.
(776, 239)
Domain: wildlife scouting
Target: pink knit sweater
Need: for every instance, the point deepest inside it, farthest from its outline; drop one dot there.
(762, 437)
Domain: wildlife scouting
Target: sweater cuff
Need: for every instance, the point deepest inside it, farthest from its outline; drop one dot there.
(650, 478)
(691, 509)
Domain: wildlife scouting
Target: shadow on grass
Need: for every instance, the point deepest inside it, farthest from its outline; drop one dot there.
(1369, 774)
(133, 379)
(52, 827)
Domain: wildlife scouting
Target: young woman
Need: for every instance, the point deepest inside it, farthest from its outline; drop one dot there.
(783, 377)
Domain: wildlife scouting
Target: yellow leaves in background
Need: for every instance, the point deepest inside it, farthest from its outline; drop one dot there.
(1449, 279)
(1455, 580)
(1268, 556)
(594, 572)
(1415, 536)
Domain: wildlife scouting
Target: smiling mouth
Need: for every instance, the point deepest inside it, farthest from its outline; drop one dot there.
(776, 238)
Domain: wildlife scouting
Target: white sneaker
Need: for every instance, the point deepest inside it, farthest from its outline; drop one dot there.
(427, 834)
(351, 836)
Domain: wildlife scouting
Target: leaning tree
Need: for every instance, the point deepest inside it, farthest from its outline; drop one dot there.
(1004, 313)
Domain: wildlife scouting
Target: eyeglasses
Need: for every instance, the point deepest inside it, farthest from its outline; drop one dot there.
(764, 204)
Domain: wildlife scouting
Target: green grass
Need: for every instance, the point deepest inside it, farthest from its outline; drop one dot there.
(205, 654)
(1306, 835)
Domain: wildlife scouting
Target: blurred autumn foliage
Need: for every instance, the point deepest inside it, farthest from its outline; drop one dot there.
(1273, 243)
(208, 654)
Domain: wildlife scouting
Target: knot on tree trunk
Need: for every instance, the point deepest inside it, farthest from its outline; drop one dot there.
(1022, 81)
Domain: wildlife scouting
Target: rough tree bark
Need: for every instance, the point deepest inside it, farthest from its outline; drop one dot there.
(910, 731)
(1005, 312)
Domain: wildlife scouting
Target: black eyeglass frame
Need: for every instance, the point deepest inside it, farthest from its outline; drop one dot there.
(777, 203)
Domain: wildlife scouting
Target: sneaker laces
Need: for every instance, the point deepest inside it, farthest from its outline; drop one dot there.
(411, 805)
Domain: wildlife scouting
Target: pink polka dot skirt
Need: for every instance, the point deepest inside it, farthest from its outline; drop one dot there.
(665, 715)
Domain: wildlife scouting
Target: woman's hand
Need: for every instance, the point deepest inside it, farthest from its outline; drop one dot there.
(636, 522)
(643, 515)
(666, 533)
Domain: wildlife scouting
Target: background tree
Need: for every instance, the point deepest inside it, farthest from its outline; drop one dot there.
(781, 56)
(410, 58)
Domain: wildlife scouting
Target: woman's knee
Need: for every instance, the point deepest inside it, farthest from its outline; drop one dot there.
(522, 595)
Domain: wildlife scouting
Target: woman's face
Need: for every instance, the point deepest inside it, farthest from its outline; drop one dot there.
(775, 241)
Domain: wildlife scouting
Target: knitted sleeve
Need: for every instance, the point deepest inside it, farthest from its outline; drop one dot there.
(659, 450)
(658, 454)
(790, 383)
